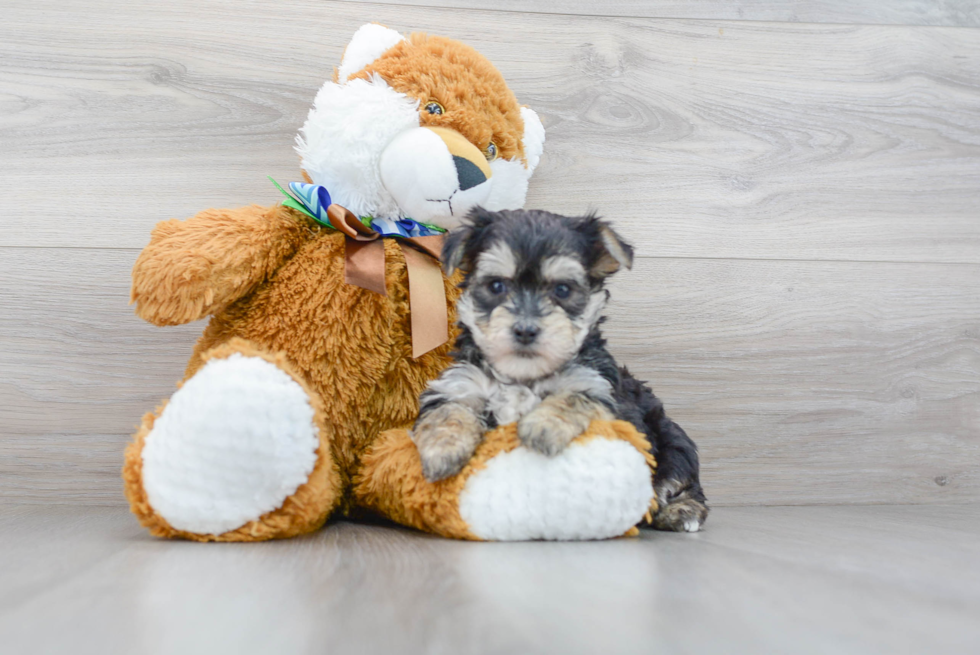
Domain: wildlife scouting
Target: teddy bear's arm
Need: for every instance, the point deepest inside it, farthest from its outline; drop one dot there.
(192, 268)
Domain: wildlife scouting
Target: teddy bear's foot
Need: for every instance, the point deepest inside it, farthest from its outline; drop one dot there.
(595, 489)
(236, 454)
(600, 486)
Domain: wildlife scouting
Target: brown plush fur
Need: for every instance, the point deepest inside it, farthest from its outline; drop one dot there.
(359, 369)
(478, 103)
(194, 268)
(391, 483)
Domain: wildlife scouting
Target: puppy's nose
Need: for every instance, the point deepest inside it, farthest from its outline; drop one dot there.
(526, 334)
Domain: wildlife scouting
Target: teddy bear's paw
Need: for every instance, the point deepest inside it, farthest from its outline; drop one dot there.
(233, 443)
(594, 489)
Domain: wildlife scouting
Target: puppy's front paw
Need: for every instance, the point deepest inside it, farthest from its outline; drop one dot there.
(546, 430)
(446, 438)
(552, 425)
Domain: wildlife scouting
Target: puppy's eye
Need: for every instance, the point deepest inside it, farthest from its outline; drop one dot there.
(497, 287)
(491, 151)
(562, 290)
(434, 108)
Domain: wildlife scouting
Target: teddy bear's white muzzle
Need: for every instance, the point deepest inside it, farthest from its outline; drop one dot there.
(435, 175)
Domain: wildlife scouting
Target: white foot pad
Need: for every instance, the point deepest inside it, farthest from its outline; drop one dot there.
(593, 490)
(232, 444)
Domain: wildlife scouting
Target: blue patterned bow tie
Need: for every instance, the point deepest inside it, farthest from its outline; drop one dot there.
(313, 200)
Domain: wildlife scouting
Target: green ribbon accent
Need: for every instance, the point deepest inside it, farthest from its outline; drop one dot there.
(292, 202)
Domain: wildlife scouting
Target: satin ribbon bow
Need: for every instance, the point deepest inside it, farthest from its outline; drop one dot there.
(364, 260)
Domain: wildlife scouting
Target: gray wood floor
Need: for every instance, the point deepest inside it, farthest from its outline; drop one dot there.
(803, 195)
(758, 580)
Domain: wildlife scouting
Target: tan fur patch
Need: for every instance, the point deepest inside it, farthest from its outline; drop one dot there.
(613, 257)
(496, 261)
(562, 267)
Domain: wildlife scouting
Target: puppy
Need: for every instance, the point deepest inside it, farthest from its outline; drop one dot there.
(530, 351)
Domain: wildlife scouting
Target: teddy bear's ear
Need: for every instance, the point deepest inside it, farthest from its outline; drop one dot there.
(533, 138)
(369, 42)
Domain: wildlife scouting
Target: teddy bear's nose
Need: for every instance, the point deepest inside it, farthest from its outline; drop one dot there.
(468, 174)
(472, 167)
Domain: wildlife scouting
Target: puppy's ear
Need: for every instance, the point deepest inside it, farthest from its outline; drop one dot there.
(454, 249)
(614, 253)
(461, 243)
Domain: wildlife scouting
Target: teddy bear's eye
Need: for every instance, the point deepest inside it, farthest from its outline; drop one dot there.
(491, 151)
(434, 108)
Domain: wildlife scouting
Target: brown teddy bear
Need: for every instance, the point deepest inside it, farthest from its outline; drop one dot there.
(322, 335)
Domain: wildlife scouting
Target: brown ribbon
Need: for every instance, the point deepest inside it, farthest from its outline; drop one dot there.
(427, 300)
(364, 267)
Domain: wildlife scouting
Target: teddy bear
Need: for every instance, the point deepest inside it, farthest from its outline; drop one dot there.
(330, 313)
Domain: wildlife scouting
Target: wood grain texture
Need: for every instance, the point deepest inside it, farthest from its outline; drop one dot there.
(803, 197)
(803, 382)
(955, 13)
(704, 138)
(758, 580)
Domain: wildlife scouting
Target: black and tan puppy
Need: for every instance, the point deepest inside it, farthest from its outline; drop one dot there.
(530, 352)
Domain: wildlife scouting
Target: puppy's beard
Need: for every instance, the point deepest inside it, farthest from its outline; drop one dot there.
(559, 341)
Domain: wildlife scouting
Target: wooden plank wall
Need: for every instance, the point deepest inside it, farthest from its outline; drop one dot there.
(803, 195)
(955, 13)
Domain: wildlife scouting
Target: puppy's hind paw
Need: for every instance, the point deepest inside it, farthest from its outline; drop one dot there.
(446, 438)
(681, 515)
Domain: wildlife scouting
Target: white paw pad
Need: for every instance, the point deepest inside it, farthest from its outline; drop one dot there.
(596, 489)
(233, 443)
